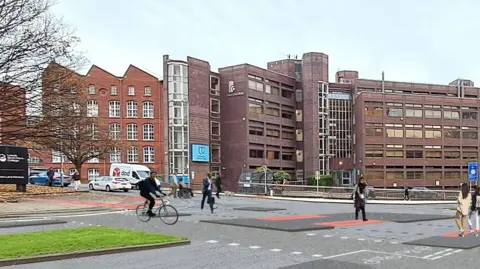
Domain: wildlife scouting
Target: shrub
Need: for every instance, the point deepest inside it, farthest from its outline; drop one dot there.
(325, 180)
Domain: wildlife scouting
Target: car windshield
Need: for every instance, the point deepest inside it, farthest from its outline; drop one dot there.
(143, 174)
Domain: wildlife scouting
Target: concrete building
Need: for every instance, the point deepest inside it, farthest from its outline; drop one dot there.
(130, 106)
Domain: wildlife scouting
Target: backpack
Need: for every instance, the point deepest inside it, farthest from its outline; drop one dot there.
(141, 185)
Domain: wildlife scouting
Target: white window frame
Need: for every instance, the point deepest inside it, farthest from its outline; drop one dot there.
(93, 173)
(113, 90)
(132, 109)
(148, 110)
(148, 91)
(91, 89)
(132, 131)
(132, 154)
(115, 156)
(114, 109)
(148, 132)
(94, 132)
(131, 90)
(57, 157)
(92, 108)
(71, 171)
(148, 154)
(114, 130)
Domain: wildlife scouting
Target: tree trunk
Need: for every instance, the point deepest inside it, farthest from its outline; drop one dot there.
(78, 167)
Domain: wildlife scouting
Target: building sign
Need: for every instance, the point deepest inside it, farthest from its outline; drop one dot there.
(232, 91)
(473, 171)
(13, 165)
(340, 96)
(200, 153)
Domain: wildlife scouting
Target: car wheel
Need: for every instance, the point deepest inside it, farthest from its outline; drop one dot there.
(126, 190)
(90, 187)
(107, 188)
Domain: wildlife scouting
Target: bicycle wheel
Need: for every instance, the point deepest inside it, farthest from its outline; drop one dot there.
(168, 214)
(142, 213)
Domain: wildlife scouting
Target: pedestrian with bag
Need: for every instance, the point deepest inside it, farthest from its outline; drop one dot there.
(76, 180)
(464, 201)
(359, 196)
(207, 193)
(474, 211)
(218, 185)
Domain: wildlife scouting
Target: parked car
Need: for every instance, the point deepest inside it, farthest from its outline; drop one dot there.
(109, 183)
(422, 193)
(42, 179)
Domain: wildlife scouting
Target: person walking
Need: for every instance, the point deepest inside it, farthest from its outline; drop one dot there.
(359, 195)
(406, 197)
(218, 185)
(464, 201)
(76, 180)
(50, 175)
(474, 211)
(207, 192)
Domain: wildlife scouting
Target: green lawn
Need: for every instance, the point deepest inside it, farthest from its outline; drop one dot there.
(76, 239)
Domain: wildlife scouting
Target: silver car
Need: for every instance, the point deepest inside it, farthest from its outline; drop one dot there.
(109, 183)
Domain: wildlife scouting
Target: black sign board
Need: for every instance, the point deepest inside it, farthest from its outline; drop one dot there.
(13, 165)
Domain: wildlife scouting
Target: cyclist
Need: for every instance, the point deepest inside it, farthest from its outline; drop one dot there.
(148, 188)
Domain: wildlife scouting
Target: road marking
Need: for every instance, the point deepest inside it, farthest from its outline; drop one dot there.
(377, 241)
(458, 250)
(395, 254)
(394, 242)
(328, 235)
(317, 255)
(255, 247)
(344, 237)
(91, 214)
(212, 241)
(443, 253)
(310, 234)
(361, 239)
(296, 253)
(233, 244)
(276, 250)
(438, 253)
(345, 254)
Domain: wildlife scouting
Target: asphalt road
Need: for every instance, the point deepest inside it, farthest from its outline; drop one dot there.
(365, 246)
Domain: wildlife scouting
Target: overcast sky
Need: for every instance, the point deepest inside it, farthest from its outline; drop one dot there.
(431, 41)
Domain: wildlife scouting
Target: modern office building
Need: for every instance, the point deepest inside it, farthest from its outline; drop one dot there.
(290, 117)
(130, 107)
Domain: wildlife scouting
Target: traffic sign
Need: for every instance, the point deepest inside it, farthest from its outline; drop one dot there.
(473, 171)
(317, 175)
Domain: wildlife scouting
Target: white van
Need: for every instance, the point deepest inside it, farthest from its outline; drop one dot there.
(133, 172)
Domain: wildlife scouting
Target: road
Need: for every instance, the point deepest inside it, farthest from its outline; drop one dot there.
(363, 246)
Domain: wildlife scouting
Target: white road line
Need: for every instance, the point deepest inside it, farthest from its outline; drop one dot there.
(377, 241)
(328, 235)
(233, 244)
(317, 255)
(212, 241)
(458, 250)
(91, 214)
(438, 253)
(446, 254)
(361, 239)
(276, 250)
(389, 253)
(255, 247)
(310, 234)
(296, 253)
(344, 237)
(394, 242)
(345, 254)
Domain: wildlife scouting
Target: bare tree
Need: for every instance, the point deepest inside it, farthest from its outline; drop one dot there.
(30, 39)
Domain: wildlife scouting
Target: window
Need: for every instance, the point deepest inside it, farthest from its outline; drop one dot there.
(373, 111)
(114, 109)
(255, 106)
(132, 154)
(272, 111)
(273, 133)
(413, 133)
(451, 155)
(433, 154)
(299, 135)
(148, 110)
(373, 175)
(374, 154)
(58, 157)
(92, 108)
(273, 155)
(432, 175)
(148, 154)
(132, 131)
(415, 175)
(453, 134)
(433, 114)
(93, 155)
(470, 155)
(215, 130)
(414, 154)
(91, 89)
(467, 115)
(394, 154)
(254, 130)
(93, 130)
(215, 156)
(114, 131)
(298, 115)
(418, 113)
(255, 85)
(215, 107)
(451, 175)
(148, 132)
(93, 173)
(395, 112)
(287, 156)
(433, 134)
(214, 85)
(148, 91)
(131, 90)
(76, 108)
(451, 114)
(397, 175)
(256, 153)
(469, 133)
(132, 109)
(374, 131)
(394, 133)
(113, 90)
(115, 156)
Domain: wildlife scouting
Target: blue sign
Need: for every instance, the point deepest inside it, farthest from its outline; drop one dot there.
(200, 153)
(473, 171)
(185, 179)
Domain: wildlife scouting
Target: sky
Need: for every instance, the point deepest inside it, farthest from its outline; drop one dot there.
(428, 41)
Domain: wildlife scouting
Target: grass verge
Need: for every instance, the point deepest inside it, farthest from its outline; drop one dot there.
(75, 240)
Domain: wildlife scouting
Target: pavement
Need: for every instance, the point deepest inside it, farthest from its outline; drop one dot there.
(356, 245)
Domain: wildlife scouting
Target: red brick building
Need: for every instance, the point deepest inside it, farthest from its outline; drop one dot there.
(131, 106)
(12, 112)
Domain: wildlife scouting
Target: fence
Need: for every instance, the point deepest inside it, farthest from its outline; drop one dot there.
(343, 192)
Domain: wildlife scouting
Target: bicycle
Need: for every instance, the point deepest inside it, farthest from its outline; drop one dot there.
(164, 211)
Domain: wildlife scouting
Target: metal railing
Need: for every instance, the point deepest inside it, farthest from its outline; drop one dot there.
(305, 191)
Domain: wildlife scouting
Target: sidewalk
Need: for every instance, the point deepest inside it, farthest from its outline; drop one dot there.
(347, 201)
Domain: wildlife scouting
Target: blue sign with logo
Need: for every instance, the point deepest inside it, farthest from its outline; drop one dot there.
(200, 153)
(473, 171)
